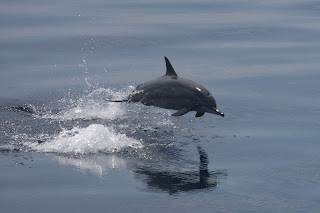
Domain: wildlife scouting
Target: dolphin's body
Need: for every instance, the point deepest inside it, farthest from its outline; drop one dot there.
(173, 92)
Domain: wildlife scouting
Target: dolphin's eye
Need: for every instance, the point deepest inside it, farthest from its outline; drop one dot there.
(208, 94)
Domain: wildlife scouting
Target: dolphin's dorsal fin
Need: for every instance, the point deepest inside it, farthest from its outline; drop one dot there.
(170, 70)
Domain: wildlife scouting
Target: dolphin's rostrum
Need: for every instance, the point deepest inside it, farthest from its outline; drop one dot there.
(173, 92)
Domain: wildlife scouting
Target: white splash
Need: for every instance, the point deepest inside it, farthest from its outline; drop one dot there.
(92, 139)
(92, 106)
(91, 109)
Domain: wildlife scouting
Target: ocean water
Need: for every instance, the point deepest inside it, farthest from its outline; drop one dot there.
(63, 148)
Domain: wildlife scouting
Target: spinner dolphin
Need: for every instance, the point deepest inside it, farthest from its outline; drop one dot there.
(173, 92)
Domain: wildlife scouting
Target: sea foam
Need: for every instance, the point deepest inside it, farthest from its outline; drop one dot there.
(92, 139)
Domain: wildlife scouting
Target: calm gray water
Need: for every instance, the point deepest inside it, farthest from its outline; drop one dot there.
(62, 148)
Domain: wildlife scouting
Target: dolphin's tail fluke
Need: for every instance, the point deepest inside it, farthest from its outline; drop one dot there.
(117, 101)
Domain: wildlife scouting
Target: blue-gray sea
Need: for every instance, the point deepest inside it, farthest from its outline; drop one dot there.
(63, 148)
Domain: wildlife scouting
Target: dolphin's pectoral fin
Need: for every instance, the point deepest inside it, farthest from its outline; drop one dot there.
(181, 111)
(199, 114)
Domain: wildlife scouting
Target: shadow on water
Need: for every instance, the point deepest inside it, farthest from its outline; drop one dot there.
(187, 181)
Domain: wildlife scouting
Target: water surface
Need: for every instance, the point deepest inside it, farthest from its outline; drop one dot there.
(62, 147)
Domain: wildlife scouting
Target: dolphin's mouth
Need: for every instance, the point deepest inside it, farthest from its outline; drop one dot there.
(218, 112)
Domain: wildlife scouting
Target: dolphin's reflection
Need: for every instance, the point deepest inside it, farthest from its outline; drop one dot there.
(174, 182)
(167, 180)
(96, 164)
